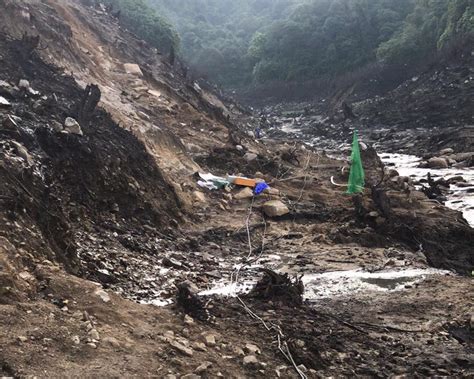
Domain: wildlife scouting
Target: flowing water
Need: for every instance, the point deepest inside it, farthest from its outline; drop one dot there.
(459, 198)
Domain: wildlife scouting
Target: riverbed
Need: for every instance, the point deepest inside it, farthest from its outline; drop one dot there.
(459, 198)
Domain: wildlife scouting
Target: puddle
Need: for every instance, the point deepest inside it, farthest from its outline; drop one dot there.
(341, 283)
(460, 198)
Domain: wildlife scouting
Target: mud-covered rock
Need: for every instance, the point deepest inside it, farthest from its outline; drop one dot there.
(275, 208)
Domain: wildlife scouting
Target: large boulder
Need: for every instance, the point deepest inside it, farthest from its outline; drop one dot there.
(275, 208)
(436, 162)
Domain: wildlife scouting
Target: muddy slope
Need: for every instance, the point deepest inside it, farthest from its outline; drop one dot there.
(53, 180)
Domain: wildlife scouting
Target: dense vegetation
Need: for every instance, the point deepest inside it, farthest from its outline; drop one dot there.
(215, 34)
(238, 42)
(144, 21)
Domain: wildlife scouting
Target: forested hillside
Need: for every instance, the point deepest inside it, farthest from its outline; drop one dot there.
(259, 41)
(144, 21)
(216, 34)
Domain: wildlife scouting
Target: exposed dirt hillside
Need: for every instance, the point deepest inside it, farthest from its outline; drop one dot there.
(100, 214)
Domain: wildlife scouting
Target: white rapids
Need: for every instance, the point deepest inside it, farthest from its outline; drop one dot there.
(460, 198)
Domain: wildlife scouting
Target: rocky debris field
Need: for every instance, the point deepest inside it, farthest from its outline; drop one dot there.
(113, 260)
(424, 115)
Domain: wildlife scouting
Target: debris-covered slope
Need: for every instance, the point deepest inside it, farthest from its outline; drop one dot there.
(99, 203)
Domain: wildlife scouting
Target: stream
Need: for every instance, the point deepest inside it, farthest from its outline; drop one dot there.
(460, 197)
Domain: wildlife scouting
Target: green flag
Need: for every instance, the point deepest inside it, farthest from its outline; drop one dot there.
(356, 176)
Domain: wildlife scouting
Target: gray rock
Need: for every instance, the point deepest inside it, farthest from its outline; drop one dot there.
(392, 173)
(447, 151)
(250, 157)
(245, 193)
(76, 340)
(181, 348)
(471, 321)
(251, 361)
(22, 338)
(209, 339)
(199, 197)
(22, 152)
(461, 156)
(72, 126)
(252, 349)
(94, 334)
(275, 208)
(133, 69)
(114, 342)
(104, 296)
(25, 84)
(437, 162)
(203, 367)
(4, 103)
(56, 126)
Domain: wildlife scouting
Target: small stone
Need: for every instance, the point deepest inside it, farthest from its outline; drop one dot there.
(245, 193)
(56, 126)
(26, 276)
(76, 340)
(210, 339)
(200, 346)
(22, 338)
(22, 152)
(94, 334)
(275, 208)
(72, 126)
(25, 84)
(239, 147)
(250, 157)
(300, 343)
(203, 367)
(190, 376)
(77, 315)
(199, 197)
(133, 69)
(447, 151)
(188, 320)
(4, 102)
(103, 295)
(272, 191)
(111, 341)
(471, 322)
(251, 361)
(239, 351)
(181, 348)
(252, 349)
(392, 173)
(93, 345)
